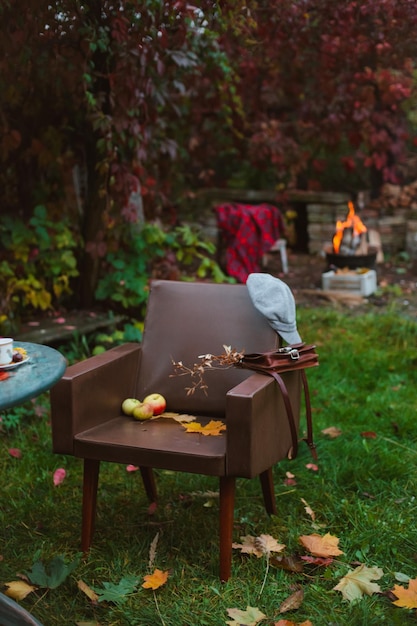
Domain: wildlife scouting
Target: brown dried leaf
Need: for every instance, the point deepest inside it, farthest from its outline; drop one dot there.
(293, 602)
(82, 586)
(259, 546)
(321, 546)
(288, 563)
(332, 432)
(177, 417)
(308, 509)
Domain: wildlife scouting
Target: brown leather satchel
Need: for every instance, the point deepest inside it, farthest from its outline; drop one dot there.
(289, 358)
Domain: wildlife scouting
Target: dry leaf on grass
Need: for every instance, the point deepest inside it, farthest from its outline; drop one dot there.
(259, 546)
(250, 617)
(214, 428)
(18, 589)
(407, 598)
(82, 586)
(332, 432)
(155, 580)
(293, 602)
(321, 546)
(358, 581)
(308, 509)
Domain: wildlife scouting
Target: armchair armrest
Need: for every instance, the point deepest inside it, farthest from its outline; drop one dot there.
(258, 433)
(91, 392)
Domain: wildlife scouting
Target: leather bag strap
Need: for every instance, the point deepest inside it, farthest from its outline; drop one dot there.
(290, 414)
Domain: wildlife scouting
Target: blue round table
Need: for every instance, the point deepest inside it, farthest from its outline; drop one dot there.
(39, 373)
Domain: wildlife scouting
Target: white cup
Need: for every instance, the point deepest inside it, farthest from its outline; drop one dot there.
(6, 350)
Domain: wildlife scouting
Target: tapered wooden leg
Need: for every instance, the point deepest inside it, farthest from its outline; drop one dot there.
(267, 483)
(148, 480)
(90, 484)
(227, 507)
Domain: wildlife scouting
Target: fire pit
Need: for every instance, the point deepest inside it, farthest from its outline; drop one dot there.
(351, 259)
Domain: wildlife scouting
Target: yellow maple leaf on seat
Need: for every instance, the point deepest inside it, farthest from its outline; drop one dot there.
(214, 428)
(407, 598)
(321, 546)
(155, 580)
(358, 581)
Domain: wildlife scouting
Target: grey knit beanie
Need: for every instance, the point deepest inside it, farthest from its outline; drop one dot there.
(274, 299)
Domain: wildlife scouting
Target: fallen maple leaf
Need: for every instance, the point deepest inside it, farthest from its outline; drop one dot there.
(155, 580)
(59, 476)
(332, 432)
(250, 617)
(407, 598)
(214, 428)
(259, 546)
(18, 589)
(358, 581)
(321, 546)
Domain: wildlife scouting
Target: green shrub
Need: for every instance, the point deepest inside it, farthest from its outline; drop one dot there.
(37, 263)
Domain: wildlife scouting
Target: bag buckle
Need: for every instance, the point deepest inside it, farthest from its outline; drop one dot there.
(292, 352)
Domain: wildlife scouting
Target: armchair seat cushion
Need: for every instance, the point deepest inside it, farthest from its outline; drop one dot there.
(161, 443)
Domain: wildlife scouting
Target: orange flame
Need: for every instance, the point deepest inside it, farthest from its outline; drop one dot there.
(352, 221)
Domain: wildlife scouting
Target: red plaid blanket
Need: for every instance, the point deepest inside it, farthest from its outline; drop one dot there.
(248, 232)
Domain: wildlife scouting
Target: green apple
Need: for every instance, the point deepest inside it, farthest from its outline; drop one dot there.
(129, 404)
(157, 401)
(143, 411)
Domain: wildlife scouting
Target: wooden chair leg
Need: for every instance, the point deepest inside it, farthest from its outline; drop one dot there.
(227, 506)
(148, 480)
(267, 483)
(90, 484)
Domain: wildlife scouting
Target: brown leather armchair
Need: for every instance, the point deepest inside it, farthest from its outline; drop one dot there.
(183, 321)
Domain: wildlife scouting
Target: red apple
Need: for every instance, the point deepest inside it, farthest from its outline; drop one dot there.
(143, 411)
(157, 401)
(129, 404)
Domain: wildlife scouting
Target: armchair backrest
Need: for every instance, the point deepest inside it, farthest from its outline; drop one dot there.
(186, 320)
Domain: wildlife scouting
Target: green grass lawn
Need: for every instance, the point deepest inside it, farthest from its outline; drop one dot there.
(364, 493)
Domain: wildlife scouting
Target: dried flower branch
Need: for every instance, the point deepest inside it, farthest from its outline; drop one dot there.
(207, 362)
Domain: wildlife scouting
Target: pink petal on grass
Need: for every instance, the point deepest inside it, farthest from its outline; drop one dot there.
(313, 467)
(15, 452)
(131, 468)
(59, 476)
